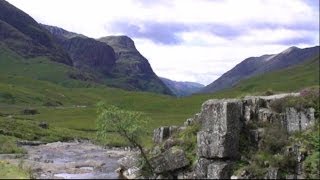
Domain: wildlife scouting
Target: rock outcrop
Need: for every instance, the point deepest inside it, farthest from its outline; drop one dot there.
(218, 139)
(298, 120)
(163, 133)
(170, 160)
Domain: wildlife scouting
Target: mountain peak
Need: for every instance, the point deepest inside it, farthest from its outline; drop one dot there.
(118, 41)
(290, 49)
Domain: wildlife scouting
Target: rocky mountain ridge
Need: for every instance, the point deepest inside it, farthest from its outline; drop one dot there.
(258, 65)
(23, 35)
(117, 67)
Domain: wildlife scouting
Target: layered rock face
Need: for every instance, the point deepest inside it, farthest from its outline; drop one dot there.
(221, 122)
(218, 139)
(219, 135)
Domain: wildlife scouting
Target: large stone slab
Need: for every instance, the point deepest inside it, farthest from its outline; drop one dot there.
(170, 160)
(217, 145)
(201, 168)
(219, 170)
(219, 137)
(298, 120)
(221, 115)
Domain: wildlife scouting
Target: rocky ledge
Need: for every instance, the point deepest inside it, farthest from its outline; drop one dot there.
(217, 142)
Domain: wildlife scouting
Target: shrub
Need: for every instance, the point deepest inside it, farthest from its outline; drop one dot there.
(308, 98)
(30, 112)
(275, 139)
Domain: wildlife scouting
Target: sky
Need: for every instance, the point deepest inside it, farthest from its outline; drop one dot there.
(188, 40)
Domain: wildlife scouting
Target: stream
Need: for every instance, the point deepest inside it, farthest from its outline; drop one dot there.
(72, 160)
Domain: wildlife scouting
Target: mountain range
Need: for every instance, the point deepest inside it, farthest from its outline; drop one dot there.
(181, 89)
(254, 66)
(114, 61)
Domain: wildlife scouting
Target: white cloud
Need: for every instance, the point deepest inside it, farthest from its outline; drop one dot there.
(203, 55)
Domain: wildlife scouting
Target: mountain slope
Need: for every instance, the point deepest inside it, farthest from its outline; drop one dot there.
(258, 65)
(22, 34)
(115, 58)
(182, 88)
(132, 68)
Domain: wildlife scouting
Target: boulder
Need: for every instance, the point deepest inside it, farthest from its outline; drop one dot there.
(217, 145)
(220, 121)
(188, 122)
(163, 133)
(44, 125)
(170, 160)
(272, 173)
(132, 173)
(201, 168)
(298, 120)
(265, 115)
(186, 175)
(221, 115)
(219, 170)
(129, 161)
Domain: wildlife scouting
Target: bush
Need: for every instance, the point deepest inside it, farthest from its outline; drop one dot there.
(311, 165)
(309, 98)
(188, 139)
(9, 146)
(30, 112)
(275, 139)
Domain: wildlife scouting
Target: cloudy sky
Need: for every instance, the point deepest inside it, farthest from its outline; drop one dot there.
(188, 40)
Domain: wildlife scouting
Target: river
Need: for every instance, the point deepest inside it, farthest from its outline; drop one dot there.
(72, 160)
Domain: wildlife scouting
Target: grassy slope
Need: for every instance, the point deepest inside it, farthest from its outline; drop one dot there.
(28, 83)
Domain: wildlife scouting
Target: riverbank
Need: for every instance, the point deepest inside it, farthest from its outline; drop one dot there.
(69, 160)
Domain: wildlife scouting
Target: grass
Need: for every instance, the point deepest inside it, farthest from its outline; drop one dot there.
(9, 171)
(35, 83)
(9, 145)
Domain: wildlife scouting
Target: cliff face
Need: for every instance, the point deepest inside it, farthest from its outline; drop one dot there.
(23, 35)
(237, 138)
(132, 68)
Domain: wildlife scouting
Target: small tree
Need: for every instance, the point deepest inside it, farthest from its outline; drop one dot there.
(128, 124)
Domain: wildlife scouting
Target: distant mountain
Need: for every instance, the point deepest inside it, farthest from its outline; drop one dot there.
(259, 65)
(115, 58)
(182, 88)
(23, 35)
(132, 69)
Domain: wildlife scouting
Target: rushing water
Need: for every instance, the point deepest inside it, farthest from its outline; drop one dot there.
(73, 161)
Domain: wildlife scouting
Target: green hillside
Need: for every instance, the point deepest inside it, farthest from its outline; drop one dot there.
(287, 80)
(68, 105)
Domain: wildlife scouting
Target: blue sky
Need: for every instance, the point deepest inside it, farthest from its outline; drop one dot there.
(189, 40)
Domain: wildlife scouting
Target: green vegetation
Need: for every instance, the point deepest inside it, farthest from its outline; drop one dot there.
(9, 145)
(128, 124)
(68, 105)
(286, 80)
(9, 171)
(309, 98)
(187, 140)
(310, 144)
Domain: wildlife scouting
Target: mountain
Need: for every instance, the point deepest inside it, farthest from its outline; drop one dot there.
(115, 58)
(22, 34)
(61, 33)
(258, 65)
(132, 69)
(182, 88)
